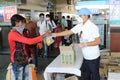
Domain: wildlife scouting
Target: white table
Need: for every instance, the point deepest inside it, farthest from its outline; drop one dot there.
(55, 66)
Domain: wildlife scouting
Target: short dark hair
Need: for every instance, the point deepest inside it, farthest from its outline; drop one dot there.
(68, 16)
(41, 14)
(16, 18)
(47, 15)
(63, 17)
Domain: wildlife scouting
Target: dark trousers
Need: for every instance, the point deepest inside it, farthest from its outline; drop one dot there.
(91, 69)
(36, 57)
(33, 51)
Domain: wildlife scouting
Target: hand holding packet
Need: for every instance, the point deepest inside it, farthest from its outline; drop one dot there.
(49, 40)
(53, 35)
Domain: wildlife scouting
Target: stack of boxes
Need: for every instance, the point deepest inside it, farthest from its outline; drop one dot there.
(71, 78)
(114, 64)
(114, 67)
(109, 63)
(105, 57)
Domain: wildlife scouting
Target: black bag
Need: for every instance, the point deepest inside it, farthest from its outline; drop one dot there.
(20, 57)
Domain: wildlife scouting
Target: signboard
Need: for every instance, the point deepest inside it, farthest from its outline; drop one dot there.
(9, 12)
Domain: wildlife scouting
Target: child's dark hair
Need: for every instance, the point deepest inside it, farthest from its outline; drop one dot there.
(16, 18)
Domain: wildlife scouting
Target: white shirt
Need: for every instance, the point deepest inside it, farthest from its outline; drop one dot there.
(89, 31)
(42, 27)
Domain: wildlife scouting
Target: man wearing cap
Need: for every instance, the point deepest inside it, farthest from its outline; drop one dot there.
(89, 38)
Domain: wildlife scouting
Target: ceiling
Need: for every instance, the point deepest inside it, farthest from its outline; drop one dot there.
(36, 4)
(41, 5)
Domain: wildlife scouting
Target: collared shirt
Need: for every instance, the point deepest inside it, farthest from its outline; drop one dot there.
(42, 25)
(14, 36)
(52, 24)
(87, 33)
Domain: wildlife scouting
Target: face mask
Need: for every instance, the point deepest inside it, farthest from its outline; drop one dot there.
(42, 19)
(79, 20)
(19, 29)
(47, 18)
(56, 18)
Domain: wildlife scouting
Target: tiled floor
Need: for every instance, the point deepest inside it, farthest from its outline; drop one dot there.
(4, 61)
(42, 63)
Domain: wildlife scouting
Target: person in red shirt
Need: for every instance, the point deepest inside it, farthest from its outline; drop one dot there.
(15, 35)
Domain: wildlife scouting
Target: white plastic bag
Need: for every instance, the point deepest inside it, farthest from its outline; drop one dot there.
(10, 74)
(30, 73)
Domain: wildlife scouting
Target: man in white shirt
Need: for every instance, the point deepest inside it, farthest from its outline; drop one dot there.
(89, 38)
(42, 25)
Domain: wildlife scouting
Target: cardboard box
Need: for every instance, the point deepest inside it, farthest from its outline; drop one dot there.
(105, 61)
(103, 70)
(105, 55)
(71, 78)
(115, 54)
(67, 56)
(114, 69)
